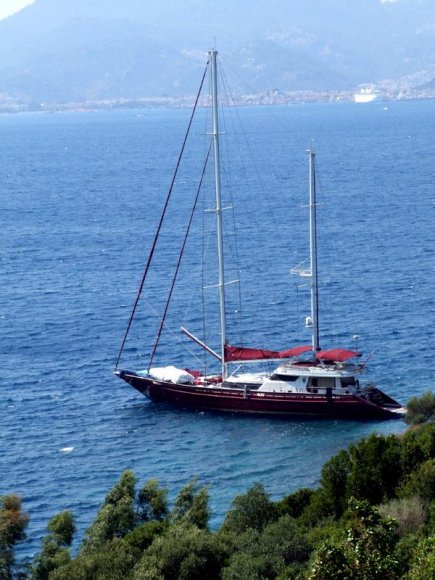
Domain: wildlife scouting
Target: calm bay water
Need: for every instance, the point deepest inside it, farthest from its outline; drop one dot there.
(80, 197)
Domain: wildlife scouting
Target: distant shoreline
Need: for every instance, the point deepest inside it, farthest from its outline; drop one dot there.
(275, 97)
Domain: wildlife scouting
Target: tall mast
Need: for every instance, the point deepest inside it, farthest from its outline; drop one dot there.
(313, 251)
(219, 228)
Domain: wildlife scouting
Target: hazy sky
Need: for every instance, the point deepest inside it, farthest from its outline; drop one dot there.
(8, 7)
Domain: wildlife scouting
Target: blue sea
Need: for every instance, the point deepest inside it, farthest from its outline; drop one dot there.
(81, 194)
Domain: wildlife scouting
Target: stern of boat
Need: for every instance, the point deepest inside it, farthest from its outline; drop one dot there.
(382, 401)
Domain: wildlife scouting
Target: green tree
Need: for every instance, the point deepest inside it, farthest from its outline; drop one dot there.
(54, 553)
(13, 523)
(152, 502)
(334, 481)
(115, 559)
(191, 505)
(117, 516)
(251, 510)
(426, 440)
(319, 508)
(413, 448)
(376, 468)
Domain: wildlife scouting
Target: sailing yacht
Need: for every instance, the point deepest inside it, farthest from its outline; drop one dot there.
(306, 381)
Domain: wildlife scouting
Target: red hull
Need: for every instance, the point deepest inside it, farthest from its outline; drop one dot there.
(237, 400)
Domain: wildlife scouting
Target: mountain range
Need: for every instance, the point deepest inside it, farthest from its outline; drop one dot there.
(79, 50)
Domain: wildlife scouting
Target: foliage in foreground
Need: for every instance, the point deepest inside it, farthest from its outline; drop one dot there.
(373, 516)
(13, 523)
(421, 409)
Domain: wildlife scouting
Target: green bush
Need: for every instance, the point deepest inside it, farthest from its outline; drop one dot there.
(405, 550)
(251, 510)
(112, 561)
(420, 482)
(423, 563)
(366, 553)
(267, 553)
(143, 536)
(184, 552)
(295, 503)
(420, 409)
(329, 530)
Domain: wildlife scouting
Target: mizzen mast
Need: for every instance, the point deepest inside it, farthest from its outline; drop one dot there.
(313, 251)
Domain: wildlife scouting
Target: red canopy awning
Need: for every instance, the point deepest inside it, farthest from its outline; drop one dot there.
(241, 353)
(337, 354)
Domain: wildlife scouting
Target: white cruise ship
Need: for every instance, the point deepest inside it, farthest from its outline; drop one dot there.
(367, 94)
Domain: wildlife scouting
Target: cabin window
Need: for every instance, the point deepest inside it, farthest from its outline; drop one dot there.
(320, 383)
(288, 378)
(347, 382)
(326, 383)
